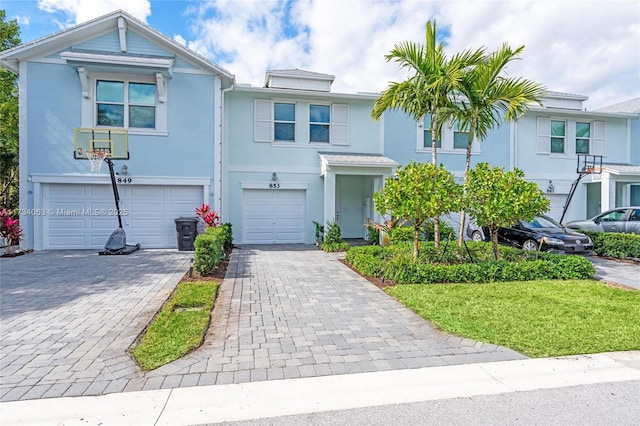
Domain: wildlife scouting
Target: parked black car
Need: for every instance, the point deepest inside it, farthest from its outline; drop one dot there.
(541, 233)
(622, 219)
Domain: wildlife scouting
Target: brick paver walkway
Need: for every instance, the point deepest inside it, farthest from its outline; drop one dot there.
(285, 311)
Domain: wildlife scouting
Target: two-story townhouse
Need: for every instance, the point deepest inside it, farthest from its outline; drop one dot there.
(548, 140)
(157, 103)
(296, 153)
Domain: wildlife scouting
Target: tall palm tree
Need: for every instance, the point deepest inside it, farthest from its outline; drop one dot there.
(432, 81)
(488, 98)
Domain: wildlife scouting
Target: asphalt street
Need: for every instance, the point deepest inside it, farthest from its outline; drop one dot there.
(597, 405)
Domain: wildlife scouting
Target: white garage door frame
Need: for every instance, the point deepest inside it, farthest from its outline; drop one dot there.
(290, 226)
(40, 180)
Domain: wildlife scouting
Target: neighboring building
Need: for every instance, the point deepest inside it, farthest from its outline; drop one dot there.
(545, 144)
(272, 160)
(115, 72)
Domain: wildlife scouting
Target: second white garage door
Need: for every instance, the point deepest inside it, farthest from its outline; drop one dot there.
(273, 216)
(82, 216)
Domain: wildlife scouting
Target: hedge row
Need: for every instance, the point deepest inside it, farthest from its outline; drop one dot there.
(612, 244)
(210, 247)
(396, 264)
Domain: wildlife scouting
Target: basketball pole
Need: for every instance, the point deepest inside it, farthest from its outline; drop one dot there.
(117, 242)
(116, 196)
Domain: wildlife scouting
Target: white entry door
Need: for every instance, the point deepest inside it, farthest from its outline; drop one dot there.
(273, 216)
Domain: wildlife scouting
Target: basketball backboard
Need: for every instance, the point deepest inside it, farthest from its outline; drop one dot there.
(589, 164)
(115, 142)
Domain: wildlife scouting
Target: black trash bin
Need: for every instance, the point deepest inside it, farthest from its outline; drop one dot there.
(187, 230)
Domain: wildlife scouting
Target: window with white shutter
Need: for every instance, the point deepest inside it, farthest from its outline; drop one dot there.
(262, 126)
(340, 124)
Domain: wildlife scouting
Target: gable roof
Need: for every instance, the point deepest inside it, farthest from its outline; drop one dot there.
(631, 106)
(11, 58)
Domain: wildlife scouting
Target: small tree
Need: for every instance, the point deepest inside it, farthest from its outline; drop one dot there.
(417, 193)
(499, 199)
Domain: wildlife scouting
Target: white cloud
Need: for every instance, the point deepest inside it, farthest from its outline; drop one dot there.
(79, 11)
(583, 47)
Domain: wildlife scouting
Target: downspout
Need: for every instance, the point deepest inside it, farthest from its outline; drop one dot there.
(219, 148)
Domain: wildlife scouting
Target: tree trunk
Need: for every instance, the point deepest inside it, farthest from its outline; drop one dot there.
(467, 166)
(416, 242)
(494, 243)
(434, 161)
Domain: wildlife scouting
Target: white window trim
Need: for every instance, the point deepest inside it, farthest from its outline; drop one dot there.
(89, 108)
(330, 123)
(447, 138)
(566, 152)
(589, 139)
(296, 136)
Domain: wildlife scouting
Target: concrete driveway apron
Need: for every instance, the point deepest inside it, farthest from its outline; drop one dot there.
(285, 311)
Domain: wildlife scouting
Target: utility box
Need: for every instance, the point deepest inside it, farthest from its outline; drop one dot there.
(187, 230)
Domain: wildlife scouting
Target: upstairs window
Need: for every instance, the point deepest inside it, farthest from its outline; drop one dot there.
(460, 137)
(558, 133)
(583, 137)
(427, 133)
(284, 121)
(319, 123)
(125, 104)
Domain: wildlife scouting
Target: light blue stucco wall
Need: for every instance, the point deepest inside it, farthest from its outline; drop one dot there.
(635, 141)
(54, 112)
(400, 144)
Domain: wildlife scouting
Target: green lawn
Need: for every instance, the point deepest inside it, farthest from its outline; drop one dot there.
(179, 327)
(535, 318)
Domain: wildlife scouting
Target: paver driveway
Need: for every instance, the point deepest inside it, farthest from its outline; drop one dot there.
(282, 312)
(68, 317)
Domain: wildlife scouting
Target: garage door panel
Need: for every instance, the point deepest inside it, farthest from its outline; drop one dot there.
(149, 219)
(140, 207)
(66, 224)
(100, 191)
(77, 241)
(60, 190)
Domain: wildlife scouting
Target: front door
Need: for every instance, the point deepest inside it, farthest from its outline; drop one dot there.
(352, 200)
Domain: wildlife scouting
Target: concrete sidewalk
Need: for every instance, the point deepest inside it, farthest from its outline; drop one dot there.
(235, 402)
(617, 272)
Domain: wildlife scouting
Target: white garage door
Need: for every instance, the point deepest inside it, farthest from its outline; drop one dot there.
(557, 204)
(273, 216)
(83, 216)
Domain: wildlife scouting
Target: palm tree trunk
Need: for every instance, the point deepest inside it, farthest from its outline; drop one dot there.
(467, 166)
(434, 161)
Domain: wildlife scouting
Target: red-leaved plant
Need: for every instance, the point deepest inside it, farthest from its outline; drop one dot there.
(10, 228)
(210, 217)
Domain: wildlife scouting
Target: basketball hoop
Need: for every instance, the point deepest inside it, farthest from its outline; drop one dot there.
(96, 158)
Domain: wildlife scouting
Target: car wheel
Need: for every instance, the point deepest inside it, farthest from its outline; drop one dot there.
(476, 236)
(530, 245)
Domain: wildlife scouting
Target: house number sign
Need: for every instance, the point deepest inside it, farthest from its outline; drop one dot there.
(124, 180)
(273, 185)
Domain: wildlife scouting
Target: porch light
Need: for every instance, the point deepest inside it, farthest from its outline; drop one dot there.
(274, 177)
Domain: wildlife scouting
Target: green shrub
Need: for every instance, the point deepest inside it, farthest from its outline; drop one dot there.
(333, 239)
(405, 233)
(335, 247)
(228, 235)
(395, 263)
(613, 244)
(333, 234)
(209, 248)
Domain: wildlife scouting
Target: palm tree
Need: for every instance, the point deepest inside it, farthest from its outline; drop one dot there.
(433, 79)
(488, 99)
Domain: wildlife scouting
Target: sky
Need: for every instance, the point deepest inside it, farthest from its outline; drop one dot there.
(584, 47)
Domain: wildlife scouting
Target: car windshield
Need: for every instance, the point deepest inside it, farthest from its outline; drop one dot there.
(540, 222)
